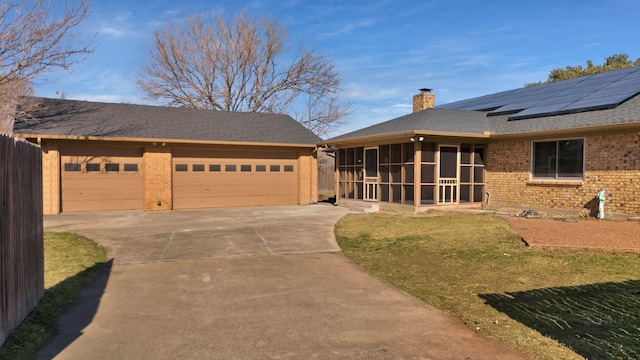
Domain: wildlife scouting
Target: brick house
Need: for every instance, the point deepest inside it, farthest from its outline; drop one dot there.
(553, 146)
(100, 156)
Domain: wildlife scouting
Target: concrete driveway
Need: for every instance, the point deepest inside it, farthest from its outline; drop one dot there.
(245, 283)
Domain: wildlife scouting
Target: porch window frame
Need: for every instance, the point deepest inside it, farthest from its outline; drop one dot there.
(535, 177)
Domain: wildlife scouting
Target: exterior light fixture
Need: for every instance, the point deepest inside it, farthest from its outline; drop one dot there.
(418, 138)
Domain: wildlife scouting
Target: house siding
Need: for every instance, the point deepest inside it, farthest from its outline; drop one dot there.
(611, 162)
(157, 178)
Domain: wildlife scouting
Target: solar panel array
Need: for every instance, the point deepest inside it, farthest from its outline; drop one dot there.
(592, 92)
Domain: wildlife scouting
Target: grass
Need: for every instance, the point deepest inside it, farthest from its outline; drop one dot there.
(70, 262)
(550, 304)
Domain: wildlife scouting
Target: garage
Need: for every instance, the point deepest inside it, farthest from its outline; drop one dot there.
(206, 179)
(101, 179)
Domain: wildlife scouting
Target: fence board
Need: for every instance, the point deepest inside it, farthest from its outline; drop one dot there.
(21, 241)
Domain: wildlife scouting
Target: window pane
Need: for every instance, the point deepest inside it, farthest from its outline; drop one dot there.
(478, 174)
(112, 167)
(261, 168)
(465, 193)
(342, 154)
(71, 167)
(396, 153)
(274, 168)
(93, 167)
(396, 191)
(288, 168)
(428, 152)
(570, 158)
(408, 194)
(179, 167)
(359, 155)
(465, 154)
(478, 192)
(408, 173)
(245, 168)
(351, 156)
(384, 193)
(360, 191)
(465, 174)
(197, 167)
(230, 168)
(132, 167)
(544, 159)
(428, 174)
(214, 167)
(396, 173)
(426, 194)
(448, 162)
(407, 152)
(478, 155)
(384, 173)
(384, 154)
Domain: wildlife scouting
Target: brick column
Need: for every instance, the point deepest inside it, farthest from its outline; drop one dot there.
(158, 184)
(50, 179)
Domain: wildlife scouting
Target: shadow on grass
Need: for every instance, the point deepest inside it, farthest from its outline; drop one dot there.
(60, 316)
(597, 321)
(81, 311)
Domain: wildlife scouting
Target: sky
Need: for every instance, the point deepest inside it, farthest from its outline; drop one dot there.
(385, 51)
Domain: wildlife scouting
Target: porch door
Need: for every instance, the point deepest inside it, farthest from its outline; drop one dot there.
(448, 174)
(371, 174)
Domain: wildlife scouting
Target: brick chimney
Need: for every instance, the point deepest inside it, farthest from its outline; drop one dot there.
(424, 100)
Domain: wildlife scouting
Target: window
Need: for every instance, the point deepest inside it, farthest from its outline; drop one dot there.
(71, 167)
(111, 167)
(559, 159)
(274, 168)
(261, 168)
(197, 167)
(245, 168)
(181, 167)
(214, 167)
(230, 168)
(132, 167)
(288, 168)
(93, 167)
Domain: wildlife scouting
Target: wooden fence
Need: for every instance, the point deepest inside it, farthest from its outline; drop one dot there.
(21, 241)
(325, 180)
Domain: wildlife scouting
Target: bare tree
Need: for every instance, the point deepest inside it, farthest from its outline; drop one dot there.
(242, 64)
(34, 37)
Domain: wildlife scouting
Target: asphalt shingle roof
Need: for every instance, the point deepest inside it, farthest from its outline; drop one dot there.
(83, 118)
(473, 116)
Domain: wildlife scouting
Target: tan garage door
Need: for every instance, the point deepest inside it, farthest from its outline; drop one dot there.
(94, 180)
(234, 179)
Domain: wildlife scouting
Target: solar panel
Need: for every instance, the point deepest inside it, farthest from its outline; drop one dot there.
(597, 91)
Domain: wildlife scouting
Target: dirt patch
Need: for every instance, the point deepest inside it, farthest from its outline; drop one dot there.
(614, 235)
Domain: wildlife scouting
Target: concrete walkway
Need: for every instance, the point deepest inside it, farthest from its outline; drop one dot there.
(249, 283)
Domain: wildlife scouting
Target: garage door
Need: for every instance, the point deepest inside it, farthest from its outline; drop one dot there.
(221, 179)
(102, 180)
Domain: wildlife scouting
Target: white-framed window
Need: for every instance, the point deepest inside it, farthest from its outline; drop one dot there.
(558, 159)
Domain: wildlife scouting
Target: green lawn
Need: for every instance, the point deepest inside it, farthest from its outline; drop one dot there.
(550, 304)
(70, 262)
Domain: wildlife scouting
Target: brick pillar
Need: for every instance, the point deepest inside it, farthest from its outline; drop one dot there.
(50, 179)
(158, 184)
(307, 178)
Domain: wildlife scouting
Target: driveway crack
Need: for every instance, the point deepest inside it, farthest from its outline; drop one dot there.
(167, 246)
(264, 241)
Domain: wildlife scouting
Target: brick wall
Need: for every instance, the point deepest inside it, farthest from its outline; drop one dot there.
(612, 162)
(157, 178)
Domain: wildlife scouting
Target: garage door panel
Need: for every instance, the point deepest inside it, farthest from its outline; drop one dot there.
(266, 182)
(91, 183)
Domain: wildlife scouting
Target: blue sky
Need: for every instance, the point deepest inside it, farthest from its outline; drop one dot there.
(384, 50)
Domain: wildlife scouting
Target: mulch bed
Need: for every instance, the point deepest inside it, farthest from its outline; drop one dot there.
(584, 233)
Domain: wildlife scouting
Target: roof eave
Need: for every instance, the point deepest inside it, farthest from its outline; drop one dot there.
(157, 140)
(551, 132)
(408, 134)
